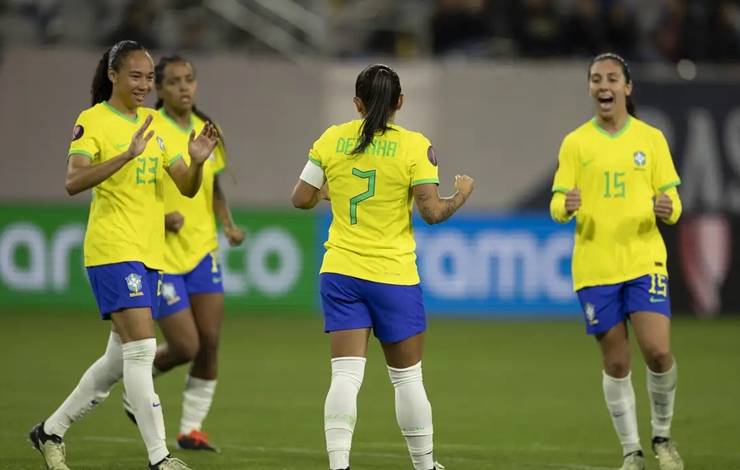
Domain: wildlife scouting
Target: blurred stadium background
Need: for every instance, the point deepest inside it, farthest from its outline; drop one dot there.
(495, 84)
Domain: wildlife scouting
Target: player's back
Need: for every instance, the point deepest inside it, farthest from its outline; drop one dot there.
(371, 236)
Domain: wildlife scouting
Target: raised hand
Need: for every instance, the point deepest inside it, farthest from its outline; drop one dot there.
(464, 185)
(663, 206)
(200, 147)
(139, 140)
(572, 200)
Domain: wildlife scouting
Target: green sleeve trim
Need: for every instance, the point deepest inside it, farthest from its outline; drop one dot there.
(668, 186)
(174, 159)
(425, 181)
(219, 171)
(318, 163)
(560, 189)
(82, 153)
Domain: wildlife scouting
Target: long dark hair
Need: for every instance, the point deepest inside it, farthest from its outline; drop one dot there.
(102, 88)
(159, 77)
(631, 109)
(379, 88)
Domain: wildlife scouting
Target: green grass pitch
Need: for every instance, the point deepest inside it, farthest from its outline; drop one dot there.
(506, 395)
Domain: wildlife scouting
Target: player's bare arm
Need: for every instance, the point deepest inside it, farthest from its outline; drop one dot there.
(305, 196)
(435, 209)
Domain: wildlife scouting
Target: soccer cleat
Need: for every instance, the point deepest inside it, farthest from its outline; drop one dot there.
(169, 463)
(127, 407)
(196, 440)
(667, 454)
(634, 461)
(438, 466)
(51, 447)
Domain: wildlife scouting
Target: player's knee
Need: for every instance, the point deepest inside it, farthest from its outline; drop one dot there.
(185, 351)
(208, 343)
(617, 367)
(659, 359)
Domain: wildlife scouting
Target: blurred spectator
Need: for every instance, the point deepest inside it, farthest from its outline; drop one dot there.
(137, 24)
(622, 30)
(538, 28)
(724, 41)
(584, 30)
(669, 32)
(459, 26)
(193, 31)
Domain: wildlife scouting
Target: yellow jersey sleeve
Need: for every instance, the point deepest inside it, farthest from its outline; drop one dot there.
(317, 152)
(84, 142)
(677, 206)
(565, 176)
(664, 172)
(423, 167)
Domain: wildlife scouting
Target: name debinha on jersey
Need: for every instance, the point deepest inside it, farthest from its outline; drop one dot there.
(378, 147)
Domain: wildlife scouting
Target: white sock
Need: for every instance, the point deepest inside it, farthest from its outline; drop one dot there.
(93, 388)
(196, 401)
(414, 414)
(620, 400)
(340, 408)
(662, 391)
(138, 357)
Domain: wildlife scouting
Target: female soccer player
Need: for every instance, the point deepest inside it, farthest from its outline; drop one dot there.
(616, 177)
(114, 153)
(192, 300)
(373, 168)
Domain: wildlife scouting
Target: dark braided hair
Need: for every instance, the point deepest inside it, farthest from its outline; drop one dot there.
(159, 77)
(102, 88)
(631, 109)
(379, 88)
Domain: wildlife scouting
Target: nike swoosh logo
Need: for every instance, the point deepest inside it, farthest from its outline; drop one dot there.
(120, 146)
(655, 300)
(156, 405)
(586, 163)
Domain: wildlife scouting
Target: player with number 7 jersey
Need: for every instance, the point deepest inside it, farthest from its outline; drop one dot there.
(373, 170)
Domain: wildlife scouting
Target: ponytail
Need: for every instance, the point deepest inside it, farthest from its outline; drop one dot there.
(102, 88)
(379, 88)
(631, 108)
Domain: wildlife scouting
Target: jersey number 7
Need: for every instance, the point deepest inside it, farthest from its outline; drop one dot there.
(370, 177)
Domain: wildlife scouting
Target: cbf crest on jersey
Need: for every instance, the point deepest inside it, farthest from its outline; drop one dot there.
(133, 281)
(640, 159)
(590, 310)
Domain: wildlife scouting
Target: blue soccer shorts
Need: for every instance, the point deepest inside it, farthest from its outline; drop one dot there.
(121, 286)
(206, 278)
(608, 305)
(394, 312)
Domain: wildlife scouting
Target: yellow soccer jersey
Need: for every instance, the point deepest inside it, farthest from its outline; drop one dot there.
(126, 221)
(371, 236)
(197, 237)
(618, 175)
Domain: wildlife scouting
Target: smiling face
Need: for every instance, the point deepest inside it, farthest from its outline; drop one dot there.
(609, 88)
(178, 86)
(134, 79)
